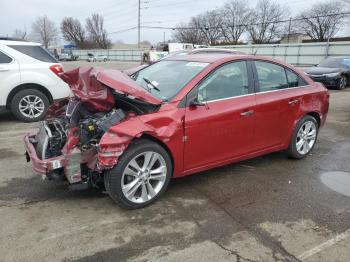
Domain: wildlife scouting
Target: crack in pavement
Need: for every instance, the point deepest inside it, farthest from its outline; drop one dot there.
(238, 256)
(260, 234)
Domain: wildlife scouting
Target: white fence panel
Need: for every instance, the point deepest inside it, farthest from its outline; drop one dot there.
(305, 54)
(112, 54)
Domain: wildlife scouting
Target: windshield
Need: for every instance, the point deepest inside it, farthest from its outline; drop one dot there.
(334, 62)
(166, 78)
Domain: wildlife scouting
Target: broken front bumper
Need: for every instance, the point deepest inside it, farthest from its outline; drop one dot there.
(42, 167)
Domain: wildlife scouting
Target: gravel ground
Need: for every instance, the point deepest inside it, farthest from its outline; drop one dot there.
(266, 209)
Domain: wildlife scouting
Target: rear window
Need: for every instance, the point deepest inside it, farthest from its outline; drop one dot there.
(36, 52)
(4, 59)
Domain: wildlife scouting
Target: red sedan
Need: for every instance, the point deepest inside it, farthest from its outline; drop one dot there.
(177, 117)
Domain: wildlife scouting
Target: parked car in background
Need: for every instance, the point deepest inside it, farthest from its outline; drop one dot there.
(179, 116)
(96, 58)
(29, 79)
(67, 55)
(333, 72)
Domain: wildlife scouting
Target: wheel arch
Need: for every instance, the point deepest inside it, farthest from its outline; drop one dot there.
(161, 143)
(27, 86)
(316, 116)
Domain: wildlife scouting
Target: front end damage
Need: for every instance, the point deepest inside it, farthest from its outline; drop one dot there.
(74, 141)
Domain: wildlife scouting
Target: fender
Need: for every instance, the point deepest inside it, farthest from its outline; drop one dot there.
(170, 133)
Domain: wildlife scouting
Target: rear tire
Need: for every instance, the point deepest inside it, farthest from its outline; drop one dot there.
(304, 138)
(342, 83)
(29, 105)
(133, 188)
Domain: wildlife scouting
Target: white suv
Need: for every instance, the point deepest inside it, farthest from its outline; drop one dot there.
(29, 79)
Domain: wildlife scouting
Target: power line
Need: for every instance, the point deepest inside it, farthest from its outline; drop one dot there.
(123, 30)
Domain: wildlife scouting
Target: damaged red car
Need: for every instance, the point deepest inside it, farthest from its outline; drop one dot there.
(176, 117)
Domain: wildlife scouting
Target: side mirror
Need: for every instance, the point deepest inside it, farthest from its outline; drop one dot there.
(195, 102)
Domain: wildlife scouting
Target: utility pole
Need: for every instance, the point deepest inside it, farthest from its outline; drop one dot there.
(139, 25)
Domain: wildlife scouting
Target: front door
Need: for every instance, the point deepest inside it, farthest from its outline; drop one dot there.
(222, 127)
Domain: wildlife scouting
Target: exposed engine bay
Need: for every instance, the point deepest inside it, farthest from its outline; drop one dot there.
(67, 143)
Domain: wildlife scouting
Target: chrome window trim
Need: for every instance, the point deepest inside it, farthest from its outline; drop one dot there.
(226, 98)
(282, 89)
(232, 97)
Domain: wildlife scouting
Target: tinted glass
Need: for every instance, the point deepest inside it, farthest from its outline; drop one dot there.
(168, 76)
(4, 59)
(294, 80)
(36, 52)
(270, 76)
(333, 62)
(228, 81)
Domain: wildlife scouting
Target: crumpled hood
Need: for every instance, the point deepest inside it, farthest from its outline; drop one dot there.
(322, 70)
(85, 82)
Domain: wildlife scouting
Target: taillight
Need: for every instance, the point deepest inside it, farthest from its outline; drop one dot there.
(57, 69)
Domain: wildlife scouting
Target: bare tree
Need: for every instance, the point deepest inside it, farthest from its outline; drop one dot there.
(236, 14)
(322, 21)
(44, 31)
(97, 33)
(264, 23)
(189, 33)
(74, 32)
(210, 24)
(20, 34)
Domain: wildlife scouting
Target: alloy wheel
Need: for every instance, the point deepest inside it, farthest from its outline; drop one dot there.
(31, 106)
(306, 137)
(342, 83)
(144, 177)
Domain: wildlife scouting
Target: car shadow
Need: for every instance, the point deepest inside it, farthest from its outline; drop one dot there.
(8, 117)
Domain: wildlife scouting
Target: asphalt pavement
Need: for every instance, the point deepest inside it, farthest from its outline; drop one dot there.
(269, 208)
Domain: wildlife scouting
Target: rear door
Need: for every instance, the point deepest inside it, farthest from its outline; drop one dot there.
(279, 96)
(223, 126)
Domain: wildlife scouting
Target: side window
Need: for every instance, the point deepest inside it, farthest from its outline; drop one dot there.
(270, 76)
(294, 80)
(229, 80)
(4, 59)
(36, 52)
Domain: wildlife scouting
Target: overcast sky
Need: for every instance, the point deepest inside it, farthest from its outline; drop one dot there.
(118, 14)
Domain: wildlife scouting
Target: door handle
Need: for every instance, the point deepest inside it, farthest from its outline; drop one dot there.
(293, 102)
(3, 69)
(247, 113)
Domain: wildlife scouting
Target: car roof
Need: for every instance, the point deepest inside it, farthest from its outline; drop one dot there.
(214, 49)
(211, 58)
(13, 42)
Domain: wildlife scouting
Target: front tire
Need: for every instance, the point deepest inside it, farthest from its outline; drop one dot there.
(141, 176)
(29, 105)
(304, 138)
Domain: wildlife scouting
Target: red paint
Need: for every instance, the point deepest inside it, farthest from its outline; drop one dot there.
(199, 138)
(57, 108)
(93, 94)
(73, 138)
